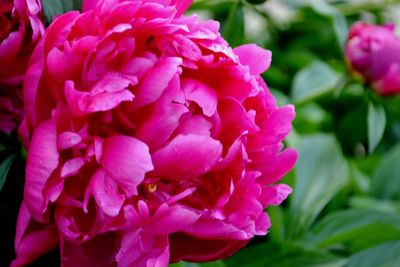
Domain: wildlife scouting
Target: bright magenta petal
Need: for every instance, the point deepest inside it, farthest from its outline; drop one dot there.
(127, 159)
(38, 171)
(187, 156)
(257, 58)
(105, 191)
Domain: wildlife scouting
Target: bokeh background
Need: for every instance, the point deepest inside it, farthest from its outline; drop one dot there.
(345, 209)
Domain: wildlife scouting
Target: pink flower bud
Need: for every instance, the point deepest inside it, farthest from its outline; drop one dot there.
(373, 52)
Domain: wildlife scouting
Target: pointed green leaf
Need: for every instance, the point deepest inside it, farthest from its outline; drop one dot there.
(284, 255)
(321, 172)
(338, 20)
(358, 229)
(4, 169)
(376, 125)
(53, 8)
(384, 255)
(233, 30)
(314, 81)
(386, 179)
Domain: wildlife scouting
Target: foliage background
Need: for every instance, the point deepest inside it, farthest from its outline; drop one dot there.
(345, 209)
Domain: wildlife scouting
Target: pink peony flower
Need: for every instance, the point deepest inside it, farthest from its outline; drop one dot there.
(150, 140)
(374, 53)
(20, 28)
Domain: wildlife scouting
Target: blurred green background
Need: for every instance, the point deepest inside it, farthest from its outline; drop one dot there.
(345, 209)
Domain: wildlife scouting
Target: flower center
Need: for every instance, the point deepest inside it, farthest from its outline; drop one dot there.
(152, 188)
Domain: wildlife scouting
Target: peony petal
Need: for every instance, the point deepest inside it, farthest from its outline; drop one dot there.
(169, 220)
(88, 5)
(72, 167)
(186, 156)
(163, 117)
(257, 58)
(187, 248)
(34, 245)
(68, 140)
(99, 252)
(273, 167)
(38, 170)
(275, 194)
(83, 102)
(128, 160)
(181, 6)
(105, 191)
(141, 249)
(275, 128)
(10, 47)
(194, 124)
(156, 81)
(202, 94)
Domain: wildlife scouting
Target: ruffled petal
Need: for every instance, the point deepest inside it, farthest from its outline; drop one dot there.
(186, 156)
(127, 160)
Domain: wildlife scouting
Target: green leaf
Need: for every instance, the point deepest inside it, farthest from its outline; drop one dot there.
(233, 30)
(370, 203)
(277, 231)
(283, 255)
(386, 179)
(384, 255)
(357, 228)
(4, 169)
(53, 8)
(361, 183)
(338, 20)
(311, 118)
(376, 125)
(314, 81)
(321, 172)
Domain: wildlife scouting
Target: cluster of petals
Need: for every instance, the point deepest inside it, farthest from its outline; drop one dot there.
(373, 52)
(150, 139)
(20, 28)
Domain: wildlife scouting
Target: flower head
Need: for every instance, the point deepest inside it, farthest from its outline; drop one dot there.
(150, 139)
(373, 52)
(20, 28)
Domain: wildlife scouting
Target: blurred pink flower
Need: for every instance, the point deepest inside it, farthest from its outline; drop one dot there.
(20, 28)
(373, 52)
(11, 107)
(150, 140)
